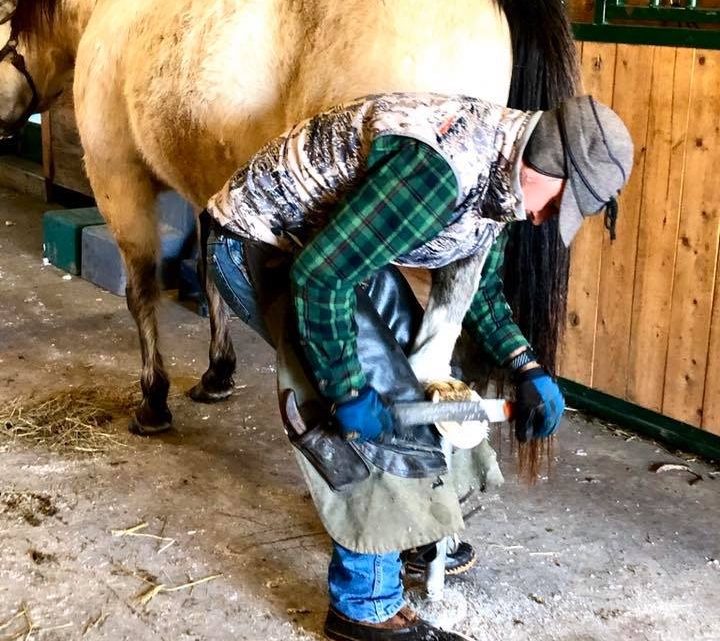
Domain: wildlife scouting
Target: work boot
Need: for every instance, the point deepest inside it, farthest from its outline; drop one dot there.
(459, 559)
(404, 626)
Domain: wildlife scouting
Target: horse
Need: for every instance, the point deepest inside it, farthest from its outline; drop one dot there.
(177, 94)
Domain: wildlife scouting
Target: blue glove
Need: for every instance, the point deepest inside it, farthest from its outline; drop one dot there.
(539, 405)
(363, 417)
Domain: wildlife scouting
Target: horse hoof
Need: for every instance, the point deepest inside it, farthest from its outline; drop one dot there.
(144, 425)
(201, 394)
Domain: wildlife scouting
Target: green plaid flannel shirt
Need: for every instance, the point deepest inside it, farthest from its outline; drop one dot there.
(406, 198)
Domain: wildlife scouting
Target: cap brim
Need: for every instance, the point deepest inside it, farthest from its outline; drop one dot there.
(571, 218)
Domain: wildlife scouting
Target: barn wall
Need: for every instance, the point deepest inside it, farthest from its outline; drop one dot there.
(644, 311)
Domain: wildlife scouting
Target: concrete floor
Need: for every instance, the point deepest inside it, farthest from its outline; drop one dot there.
(603, 550)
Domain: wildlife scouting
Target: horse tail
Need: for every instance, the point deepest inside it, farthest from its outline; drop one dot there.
(545, 67)
(545, 73)
(537, 264)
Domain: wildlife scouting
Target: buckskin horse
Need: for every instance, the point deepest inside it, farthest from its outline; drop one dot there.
(179, 93)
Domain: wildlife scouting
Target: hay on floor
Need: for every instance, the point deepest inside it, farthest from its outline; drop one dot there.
(70, 420)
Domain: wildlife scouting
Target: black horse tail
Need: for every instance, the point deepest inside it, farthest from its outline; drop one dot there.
(545, 73)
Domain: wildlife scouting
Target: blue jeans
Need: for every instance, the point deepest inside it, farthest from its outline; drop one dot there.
(362, 587)
(226, 266)
(365, 587)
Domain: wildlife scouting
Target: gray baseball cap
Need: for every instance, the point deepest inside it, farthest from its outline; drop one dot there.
(588, 144)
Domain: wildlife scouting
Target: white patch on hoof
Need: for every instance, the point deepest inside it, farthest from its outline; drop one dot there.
(465, 435)
(445, 614)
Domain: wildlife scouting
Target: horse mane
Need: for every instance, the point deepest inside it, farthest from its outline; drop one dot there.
(32, 17)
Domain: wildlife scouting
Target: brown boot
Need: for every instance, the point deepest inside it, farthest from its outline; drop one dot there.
(404, 626)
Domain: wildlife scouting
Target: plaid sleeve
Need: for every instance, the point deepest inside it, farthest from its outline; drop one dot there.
(490, 319)
(406, 198)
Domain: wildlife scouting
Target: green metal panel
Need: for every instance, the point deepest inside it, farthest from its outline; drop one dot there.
(661, 36)
(674, 433)
(604, 27)
(676, 15)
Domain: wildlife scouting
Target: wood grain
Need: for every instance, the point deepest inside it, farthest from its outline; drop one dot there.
(66, 151)
(697, 251)
(659, 219)
(578, 349)
(630, 100)
(711, 400)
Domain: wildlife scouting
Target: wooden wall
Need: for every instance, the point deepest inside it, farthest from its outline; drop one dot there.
(62, 152)
(644, 311)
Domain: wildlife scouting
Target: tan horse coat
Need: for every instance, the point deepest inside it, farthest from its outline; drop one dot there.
(199, 85)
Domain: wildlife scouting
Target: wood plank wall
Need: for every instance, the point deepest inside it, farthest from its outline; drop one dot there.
(644, 311)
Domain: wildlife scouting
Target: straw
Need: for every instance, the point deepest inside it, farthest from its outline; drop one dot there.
(70, 420)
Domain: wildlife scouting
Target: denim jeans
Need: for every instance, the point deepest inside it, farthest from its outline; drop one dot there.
(226, 266)
(363, 587)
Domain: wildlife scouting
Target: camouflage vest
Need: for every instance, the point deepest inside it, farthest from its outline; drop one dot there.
(286, 192)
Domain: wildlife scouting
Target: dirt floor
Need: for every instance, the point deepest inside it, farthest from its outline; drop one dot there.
(604, 549)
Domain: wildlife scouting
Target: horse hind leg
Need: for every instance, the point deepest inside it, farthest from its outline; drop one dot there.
(142, 293)
(126, 197)
(217, 382)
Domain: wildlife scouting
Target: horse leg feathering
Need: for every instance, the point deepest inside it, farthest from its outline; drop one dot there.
(142, 293)
(217, 382)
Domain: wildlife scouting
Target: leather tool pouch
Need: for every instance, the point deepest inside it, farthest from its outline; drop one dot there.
(335, 459)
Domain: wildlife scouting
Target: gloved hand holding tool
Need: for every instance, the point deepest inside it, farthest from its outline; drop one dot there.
(364, 416)
(537, 410)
